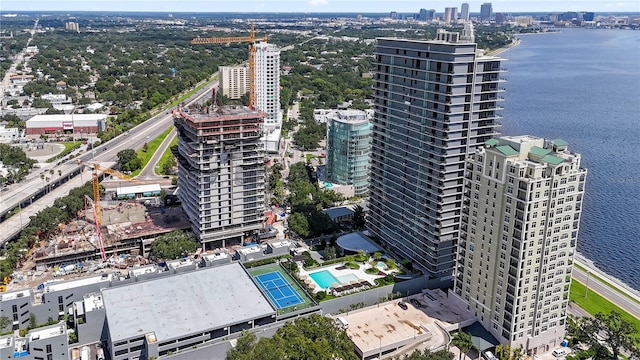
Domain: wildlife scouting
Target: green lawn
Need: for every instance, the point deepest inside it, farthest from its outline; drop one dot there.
(612, 286)
(69, 146)
(167, 153)
(153, 145)
(594, 303)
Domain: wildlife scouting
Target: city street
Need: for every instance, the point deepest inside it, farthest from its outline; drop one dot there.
(606, 291)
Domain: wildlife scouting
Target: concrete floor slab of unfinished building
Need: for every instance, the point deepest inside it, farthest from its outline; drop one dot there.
(387, 329)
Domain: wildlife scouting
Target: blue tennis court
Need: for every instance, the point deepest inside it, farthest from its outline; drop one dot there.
(279, 290)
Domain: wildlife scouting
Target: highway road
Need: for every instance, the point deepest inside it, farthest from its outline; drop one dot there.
(32, 195)
(606, 291)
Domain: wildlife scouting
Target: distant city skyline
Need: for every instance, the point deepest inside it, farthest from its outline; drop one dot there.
(324, 6)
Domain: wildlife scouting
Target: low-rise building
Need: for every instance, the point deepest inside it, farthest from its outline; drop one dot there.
(162, 316)
(59, 124)
(340, 214)
(48, 342)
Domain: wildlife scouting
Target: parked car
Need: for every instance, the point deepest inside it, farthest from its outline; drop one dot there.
(559, 352)
(416, 303)
(403, 306)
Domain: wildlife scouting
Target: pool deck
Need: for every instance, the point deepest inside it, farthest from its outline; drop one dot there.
(332, 269)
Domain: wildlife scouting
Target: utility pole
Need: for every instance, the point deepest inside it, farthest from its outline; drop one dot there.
(586, 290)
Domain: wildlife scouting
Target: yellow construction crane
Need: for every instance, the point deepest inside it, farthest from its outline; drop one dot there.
(252, 56)
(96, 186)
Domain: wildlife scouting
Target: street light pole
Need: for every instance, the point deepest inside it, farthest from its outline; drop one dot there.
(586, 290)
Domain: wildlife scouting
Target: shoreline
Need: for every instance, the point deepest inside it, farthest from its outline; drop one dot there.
(499, 51)
(613, 282)
(617, 284)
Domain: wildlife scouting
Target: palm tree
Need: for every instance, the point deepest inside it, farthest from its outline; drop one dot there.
(462, 341)
(516, 354)
(503, 352)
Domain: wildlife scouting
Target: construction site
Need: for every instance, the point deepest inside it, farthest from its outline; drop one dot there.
(112, 234)
(115, 231)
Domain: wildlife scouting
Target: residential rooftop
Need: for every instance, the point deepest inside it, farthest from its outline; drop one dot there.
(47, 332)
(64, 285)
(15, 295)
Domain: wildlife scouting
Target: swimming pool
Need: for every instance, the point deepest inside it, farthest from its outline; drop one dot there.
(324, 279)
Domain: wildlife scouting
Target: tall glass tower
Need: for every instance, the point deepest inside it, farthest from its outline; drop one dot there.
(348, 148)
(435, 103)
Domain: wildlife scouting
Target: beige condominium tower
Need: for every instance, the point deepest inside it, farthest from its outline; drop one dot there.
(520, 221)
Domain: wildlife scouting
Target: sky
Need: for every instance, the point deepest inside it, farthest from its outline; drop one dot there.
(351, 6)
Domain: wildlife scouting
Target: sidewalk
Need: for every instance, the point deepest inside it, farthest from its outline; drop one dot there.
(617, 284)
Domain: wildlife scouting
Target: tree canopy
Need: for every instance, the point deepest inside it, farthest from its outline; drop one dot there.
(605, 334)
(307, 201)
(16, 161)
(428, 355)
(128, 160)
(314, 338)
(173, 245)
(462, 341)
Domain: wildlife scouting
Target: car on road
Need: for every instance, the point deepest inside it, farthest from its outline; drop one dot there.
(416, 303)
(559, 352)
(403, 306)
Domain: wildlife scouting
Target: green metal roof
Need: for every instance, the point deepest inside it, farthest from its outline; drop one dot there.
(507, 150)
(538, 151)
(491, 142)
(559, 142)
(552, 159)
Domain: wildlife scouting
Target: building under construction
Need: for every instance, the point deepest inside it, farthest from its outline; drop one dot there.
(221, 172)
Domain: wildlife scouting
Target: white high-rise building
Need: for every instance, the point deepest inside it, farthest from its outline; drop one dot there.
(518, 232)
(234, 81)
(267, 84)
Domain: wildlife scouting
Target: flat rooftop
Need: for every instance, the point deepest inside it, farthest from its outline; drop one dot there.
(64, 285)
(250, 249)
(93, 302)
(215, 256)
(16, 294)
(47, 332)
(388, 325)
(184, 304)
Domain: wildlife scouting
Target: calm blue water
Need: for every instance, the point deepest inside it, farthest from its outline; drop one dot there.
(584, 86)
(324, 278)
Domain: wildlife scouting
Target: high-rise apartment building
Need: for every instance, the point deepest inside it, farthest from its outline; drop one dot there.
(348, 149)
(436, 102)
(267, 84)
(485, 12)
(450, 15)
(464, 12)
(221, 172)
(234, 81)
(520, 222)
(422, 16)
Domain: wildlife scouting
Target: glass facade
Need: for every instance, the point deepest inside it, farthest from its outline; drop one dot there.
(348, 149)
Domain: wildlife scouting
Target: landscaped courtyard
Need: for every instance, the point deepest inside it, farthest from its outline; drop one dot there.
(353, 274)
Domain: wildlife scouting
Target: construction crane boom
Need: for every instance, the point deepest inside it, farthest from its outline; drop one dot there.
(97, 211)
(96, 186)
(252, 56)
